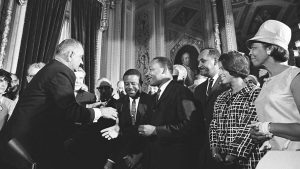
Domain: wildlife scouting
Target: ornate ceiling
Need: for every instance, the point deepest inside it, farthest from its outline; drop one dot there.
(248, 15)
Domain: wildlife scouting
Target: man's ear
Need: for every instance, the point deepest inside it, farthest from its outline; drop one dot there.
(216, 61)
(69, 56)
(165, 70)
(268, 51)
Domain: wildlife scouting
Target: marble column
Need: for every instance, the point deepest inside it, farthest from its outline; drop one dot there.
(207, 17)
(229, 43)
(5, 28)
(217, 41)
(103, 27)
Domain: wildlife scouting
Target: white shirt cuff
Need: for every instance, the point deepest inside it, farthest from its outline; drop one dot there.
(98, 114)
(111, 161)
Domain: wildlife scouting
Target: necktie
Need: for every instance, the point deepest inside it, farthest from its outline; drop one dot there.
(133, 112)
(157, 95)
(210, 83)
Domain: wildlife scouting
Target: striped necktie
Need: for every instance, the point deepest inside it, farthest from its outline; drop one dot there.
(210, 83)
(133, 112)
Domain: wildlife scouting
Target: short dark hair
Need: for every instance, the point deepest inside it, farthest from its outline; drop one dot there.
(236, 63)
(164, 62)
(134, 72)
(278, 53)
(7, 77)
(212, 52)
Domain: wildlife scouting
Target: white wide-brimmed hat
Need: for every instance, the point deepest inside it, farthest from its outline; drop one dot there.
(273, 32)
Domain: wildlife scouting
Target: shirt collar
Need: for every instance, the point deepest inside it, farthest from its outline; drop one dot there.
(215, 78)
(163, 87)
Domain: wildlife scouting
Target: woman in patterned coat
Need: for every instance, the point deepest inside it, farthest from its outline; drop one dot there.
(234, 109)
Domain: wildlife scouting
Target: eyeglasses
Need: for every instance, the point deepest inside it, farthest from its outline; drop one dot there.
(103, 87)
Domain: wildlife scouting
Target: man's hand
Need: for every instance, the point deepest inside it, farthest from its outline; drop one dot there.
(146, 130)
(111, 132)
(108, 165)
(109, 113)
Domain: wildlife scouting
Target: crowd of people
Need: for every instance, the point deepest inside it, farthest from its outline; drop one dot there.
(226, 121)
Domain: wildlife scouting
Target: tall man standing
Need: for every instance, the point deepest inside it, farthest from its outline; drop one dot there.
(48, 105)
(206, 94)
(168, 129)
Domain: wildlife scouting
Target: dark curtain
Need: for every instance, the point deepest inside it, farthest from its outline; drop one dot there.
(43, 22)
(85, 21)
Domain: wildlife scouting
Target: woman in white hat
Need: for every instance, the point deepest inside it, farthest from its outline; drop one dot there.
(278, 104)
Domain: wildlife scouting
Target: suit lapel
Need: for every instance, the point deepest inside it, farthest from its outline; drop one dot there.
(126, 108)
(140, 109)
(216, 85)
(166, 92)
(203, 94)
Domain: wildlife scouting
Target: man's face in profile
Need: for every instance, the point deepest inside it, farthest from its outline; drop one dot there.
(120, 86)
(207, 64)
(76, 59)
(14, 80)
(79, 80)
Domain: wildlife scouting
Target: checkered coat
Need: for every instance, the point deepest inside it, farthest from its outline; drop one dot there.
(228, 129)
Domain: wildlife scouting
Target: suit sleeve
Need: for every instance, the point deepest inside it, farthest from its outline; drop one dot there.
(184, 108)
(62, 90)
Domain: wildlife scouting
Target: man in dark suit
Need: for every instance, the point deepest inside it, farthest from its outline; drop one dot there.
(206, 94)
(87, 146)
(47, 105)
(134, 109)
(168, 130)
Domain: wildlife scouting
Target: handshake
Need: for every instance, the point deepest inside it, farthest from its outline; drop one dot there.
(109, 113)
(105, 112)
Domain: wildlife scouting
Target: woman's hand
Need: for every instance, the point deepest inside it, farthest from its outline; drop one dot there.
(255, 133)
(216, 155)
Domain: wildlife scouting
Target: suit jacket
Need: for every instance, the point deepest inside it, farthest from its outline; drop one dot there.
(170, 147)
(206, 103)
(87, 147)
(84, 97)
(38, 121)
(131, 141)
